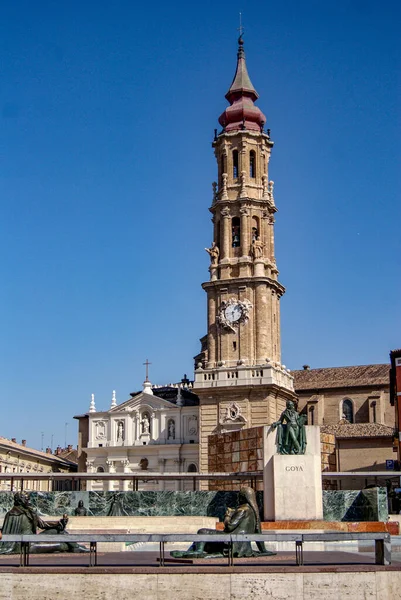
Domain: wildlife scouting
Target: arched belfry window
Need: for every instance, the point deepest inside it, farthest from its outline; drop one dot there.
(348, 411)
(236, 232)
(252, 164)
(235, 164)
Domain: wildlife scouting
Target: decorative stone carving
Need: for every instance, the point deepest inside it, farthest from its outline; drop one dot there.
(214, 187)
(231, 417)
(193, 425)
(232, 312)
(100, 430)
(225, 212)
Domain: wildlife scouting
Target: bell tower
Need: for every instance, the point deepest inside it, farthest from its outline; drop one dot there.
(241, 372)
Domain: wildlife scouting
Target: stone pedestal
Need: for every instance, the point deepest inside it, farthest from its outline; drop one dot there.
(293, 484)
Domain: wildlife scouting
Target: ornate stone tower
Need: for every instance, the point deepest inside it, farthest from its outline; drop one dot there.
(241, 381)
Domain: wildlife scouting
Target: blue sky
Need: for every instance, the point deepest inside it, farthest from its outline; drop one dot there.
(107, 112)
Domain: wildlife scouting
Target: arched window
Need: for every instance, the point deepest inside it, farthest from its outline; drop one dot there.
(192, 468)
(235, 164)
(311, 415)
(236, 232)
(252, 164)
(100, 470)
(255, 228)
(348, 411)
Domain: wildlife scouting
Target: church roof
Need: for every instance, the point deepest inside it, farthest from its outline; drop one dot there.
(242, 113)
(170, 393)
(241, 82)
(357, 430)
(339, 377)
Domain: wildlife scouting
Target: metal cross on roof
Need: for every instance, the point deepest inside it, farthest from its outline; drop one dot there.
(147, 363)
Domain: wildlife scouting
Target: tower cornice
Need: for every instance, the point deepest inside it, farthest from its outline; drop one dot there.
(244, 281)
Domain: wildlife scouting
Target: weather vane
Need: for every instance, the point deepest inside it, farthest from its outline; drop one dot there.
(240, 28)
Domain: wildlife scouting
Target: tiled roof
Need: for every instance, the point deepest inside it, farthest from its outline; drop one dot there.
(353, 430)
(25, 449)
(335, 377)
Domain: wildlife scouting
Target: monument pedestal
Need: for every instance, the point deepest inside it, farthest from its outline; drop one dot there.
(293, 483)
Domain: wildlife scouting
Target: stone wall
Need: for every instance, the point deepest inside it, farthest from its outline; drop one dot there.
(235, 452)
(286, 584)
(329, 463)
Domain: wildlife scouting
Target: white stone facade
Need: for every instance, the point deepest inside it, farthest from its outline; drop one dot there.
(145, 433)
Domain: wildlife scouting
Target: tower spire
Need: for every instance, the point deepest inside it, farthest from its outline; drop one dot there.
(242, 113)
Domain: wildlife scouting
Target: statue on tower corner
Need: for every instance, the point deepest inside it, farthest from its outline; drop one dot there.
(291, 434)
(257, 247)
(214, 253)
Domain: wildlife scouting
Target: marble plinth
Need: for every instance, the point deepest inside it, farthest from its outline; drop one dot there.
(292, 483)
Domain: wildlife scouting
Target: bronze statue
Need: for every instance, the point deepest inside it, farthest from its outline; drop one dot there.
(243, 519)
(22, 519)
(80, 511)
(291, 434)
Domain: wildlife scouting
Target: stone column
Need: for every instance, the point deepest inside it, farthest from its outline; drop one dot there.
(137, 426)
(124, 484)
(89, 469)
(177, 469)
(265, 234)
(162, 466)
(211, 339)
(245, 242)
(261, 321)
(108, 485)
(271, 238)
(154, 426)
(225, 249)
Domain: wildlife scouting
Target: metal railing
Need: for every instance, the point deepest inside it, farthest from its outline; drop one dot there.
(382, 542)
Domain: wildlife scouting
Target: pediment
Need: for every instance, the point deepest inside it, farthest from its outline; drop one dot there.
(142, 401)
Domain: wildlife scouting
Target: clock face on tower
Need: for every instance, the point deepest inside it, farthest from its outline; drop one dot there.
(232, 312)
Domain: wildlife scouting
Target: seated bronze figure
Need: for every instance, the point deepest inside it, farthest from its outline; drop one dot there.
(22, 519)
(243, 519)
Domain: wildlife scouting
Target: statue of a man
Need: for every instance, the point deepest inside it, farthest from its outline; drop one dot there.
(291, 435)
(23, 519)
(214, 253)
(243, 519)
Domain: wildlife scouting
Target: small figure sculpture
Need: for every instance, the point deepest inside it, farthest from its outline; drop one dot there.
(23, 519)
(120, 431)
(257, 247)
(214, 253)
(80, 510)
(171, 430)
(145, 423)
(243, 519)
(291, 435)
